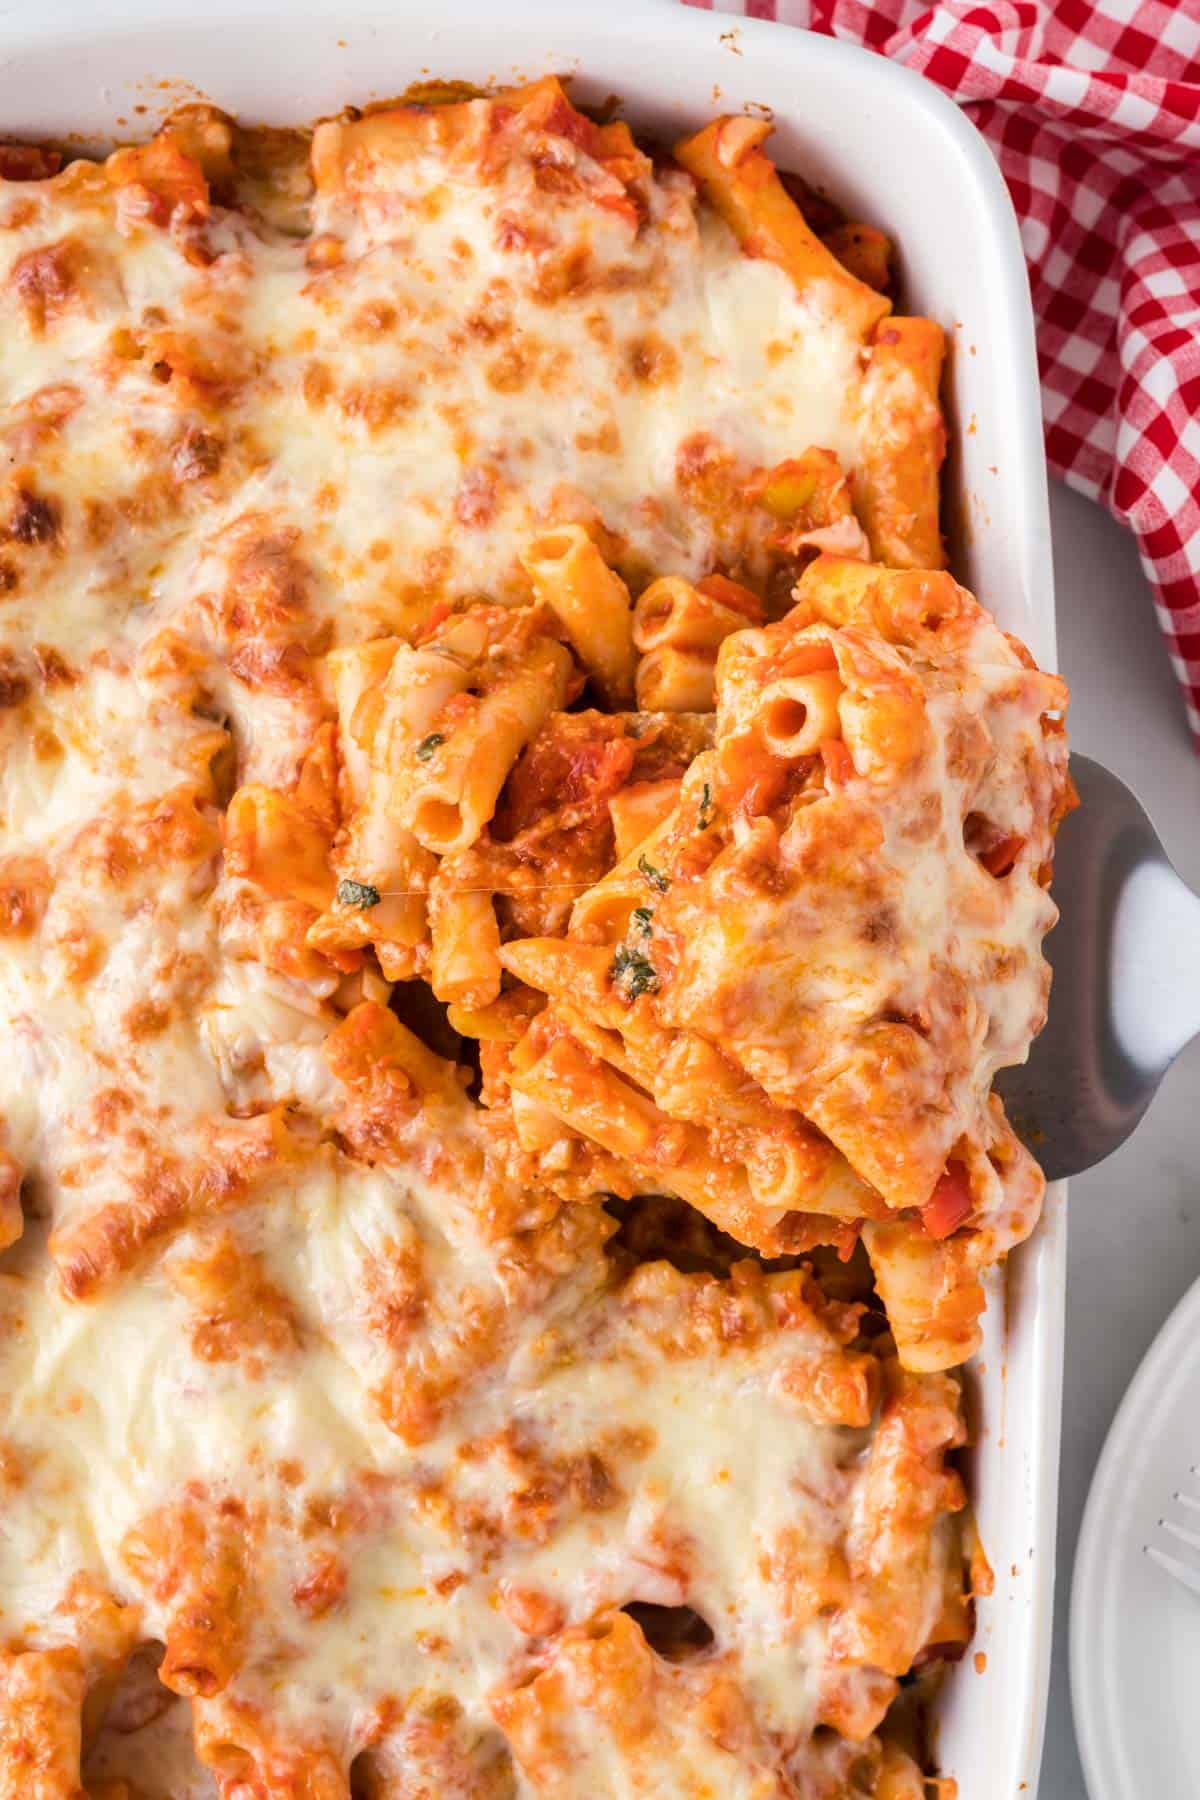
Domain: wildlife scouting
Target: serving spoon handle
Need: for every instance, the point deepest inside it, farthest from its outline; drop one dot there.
(1126, 992)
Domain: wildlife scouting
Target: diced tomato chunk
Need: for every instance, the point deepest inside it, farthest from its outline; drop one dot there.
(839, 764)
(577, 759)
(1000, 857)
(950, 1202)
(564, 121)
(995, 849)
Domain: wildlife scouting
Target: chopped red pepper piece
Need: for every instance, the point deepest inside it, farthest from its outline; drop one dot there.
(949, 1203)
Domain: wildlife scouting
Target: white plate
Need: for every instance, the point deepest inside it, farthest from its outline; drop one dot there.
(1135, 1633)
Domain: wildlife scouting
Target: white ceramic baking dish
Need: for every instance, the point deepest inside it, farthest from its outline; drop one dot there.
(893, 150)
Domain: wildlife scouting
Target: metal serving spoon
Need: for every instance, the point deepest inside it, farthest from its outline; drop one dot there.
(1126, 994)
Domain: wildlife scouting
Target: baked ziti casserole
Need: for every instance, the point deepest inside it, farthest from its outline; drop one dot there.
(519, 867)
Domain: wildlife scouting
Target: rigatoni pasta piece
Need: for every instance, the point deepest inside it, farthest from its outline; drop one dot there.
(350, 157)
(954, 1625)
(104, 1631)
(464, 960)
(281, 842)
(53, 1701)
(448, 805)
(252, 1750)
(637, 810)
(383, 876)
(359, 158)
(538, 1127)
(393, 718)
(273, 841)
(453, 715)
(502, 1022)
(389, 1080)
(931, 1290)
(836, 590)
(824, 1374)
(195, 1556)
(372, 1049)
(382, 872)
(41, 1724)
(692, 616)
(213, 1165)
(801, 713)
(740, 182)
(892, 1547)
(678, 628)
(165, 169)
(570, 576)
(590, 1097)
(673, 680)
(436, 1748)
(903, 444)
(602, 914)
(355, 671)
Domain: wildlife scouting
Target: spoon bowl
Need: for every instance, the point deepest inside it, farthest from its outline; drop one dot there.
(1126, 992)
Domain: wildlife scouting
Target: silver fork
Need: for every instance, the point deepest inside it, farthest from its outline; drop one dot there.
(1185, 1573)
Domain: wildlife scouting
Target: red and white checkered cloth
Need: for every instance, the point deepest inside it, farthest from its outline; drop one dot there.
(1093, 110)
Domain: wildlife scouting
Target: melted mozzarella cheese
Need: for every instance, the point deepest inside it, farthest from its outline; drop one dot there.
(106, 1415)
(220, 458)
(480, 433)
(418, 410)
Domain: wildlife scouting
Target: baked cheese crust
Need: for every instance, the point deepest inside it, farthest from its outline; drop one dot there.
(517, 871)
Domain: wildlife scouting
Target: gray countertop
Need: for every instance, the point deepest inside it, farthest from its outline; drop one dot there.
(1135, 1221)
